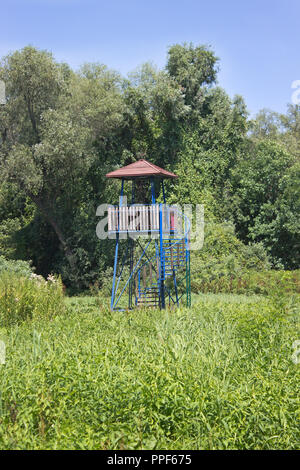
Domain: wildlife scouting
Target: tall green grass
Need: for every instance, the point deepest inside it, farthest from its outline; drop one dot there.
(23, 298)
(217, 376)
(248, 282)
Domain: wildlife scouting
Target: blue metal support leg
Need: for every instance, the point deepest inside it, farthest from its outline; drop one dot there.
(116, 254)
(162, 260)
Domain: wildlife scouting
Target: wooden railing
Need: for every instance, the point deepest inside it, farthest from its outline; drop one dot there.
(141, 218)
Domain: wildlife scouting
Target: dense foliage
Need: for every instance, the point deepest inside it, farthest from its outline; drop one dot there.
(21, 268)
(78, 376)
(61, 131)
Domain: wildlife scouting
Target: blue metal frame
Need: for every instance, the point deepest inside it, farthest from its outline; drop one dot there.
(156, 244)
(116, 253)
(122, 267)
(131, 275)
(131, 251)
(162, 261)
(163, 254)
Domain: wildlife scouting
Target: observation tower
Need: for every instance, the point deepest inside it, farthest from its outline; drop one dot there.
(152, 256)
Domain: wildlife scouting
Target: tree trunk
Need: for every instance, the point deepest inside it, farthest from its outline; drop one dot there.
(54, 224)
(32, 118)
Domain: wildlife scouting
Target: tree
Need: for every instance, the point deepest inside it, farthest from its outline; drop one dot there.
(283, 128)
(257, 188)
(277, 223)
(51, 172)
(34, 83)
(291, 136)
(42, 149)
(266, 125)
(58, 128)
(192, 67)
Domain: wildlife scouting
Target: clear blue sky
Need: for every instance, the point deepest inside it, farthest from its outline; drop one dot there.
(256, 40)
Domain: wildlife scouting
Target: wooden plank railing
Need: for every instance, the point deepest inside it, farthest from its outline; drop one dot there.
(140, 218)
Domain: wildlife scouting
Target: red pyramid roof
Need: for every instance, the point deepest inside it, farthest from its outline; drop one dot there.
(140, 169)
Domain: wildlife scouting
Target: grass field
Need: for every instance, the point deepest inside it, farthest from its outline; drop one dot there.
(216, 376)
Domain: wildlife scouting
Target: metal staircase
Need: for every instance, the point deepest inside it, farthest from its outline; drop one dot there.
(171, 266)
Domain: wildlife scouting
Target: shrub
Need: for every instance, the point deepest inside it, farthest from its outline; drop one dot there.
(23, 298)
(224, 262)
(250, 282)
(19, 267)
